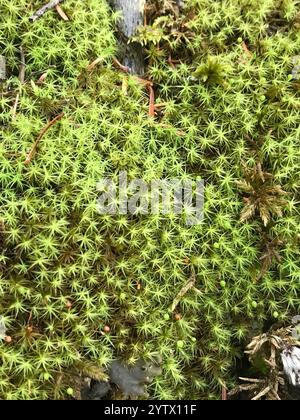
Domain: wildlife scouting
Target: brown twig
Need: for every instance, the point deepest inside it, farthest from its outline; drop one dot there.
(149, 85)
(39, 13)
(224, 394)
(151, 100)
(31, 154)
(120, 66)
(172, 62)
(143, 82)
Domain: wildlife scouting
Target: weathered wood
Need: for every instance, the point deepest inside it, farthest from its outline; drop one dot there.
(133, 11)
(2, 67)
(133, 17)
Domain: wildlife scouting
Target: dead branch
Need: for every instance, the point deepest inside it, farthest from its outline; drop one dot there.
(120, 66)
(151, 101)
(39, 13)
(252, 380)
(261, 393)
(31, 154)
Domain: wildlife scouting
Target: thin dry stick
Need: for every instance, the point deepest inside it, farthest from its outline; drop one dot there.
(151, 101)
(184, 290)
(120, 66)
(149, 85)
(31, 154)
(39, 13)
(262, 393)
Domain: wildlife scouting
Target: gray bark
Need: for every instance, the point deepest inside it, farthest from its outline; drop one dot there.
(133, 11)
(133, 15)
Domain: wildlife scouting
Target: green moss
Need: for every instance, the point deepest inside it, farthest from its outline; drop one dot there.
(66, 271)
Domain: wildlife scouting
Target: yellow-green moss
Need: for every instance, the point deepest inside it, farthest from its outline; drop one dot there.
(67, 271)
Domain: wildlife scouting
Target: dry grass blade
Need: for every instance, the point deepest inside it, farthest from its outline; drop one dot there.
(61, 13)
(15, 106)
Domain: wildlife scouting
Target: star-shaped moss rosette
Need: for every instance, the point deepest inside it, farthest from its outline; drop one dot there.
(262, 195)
